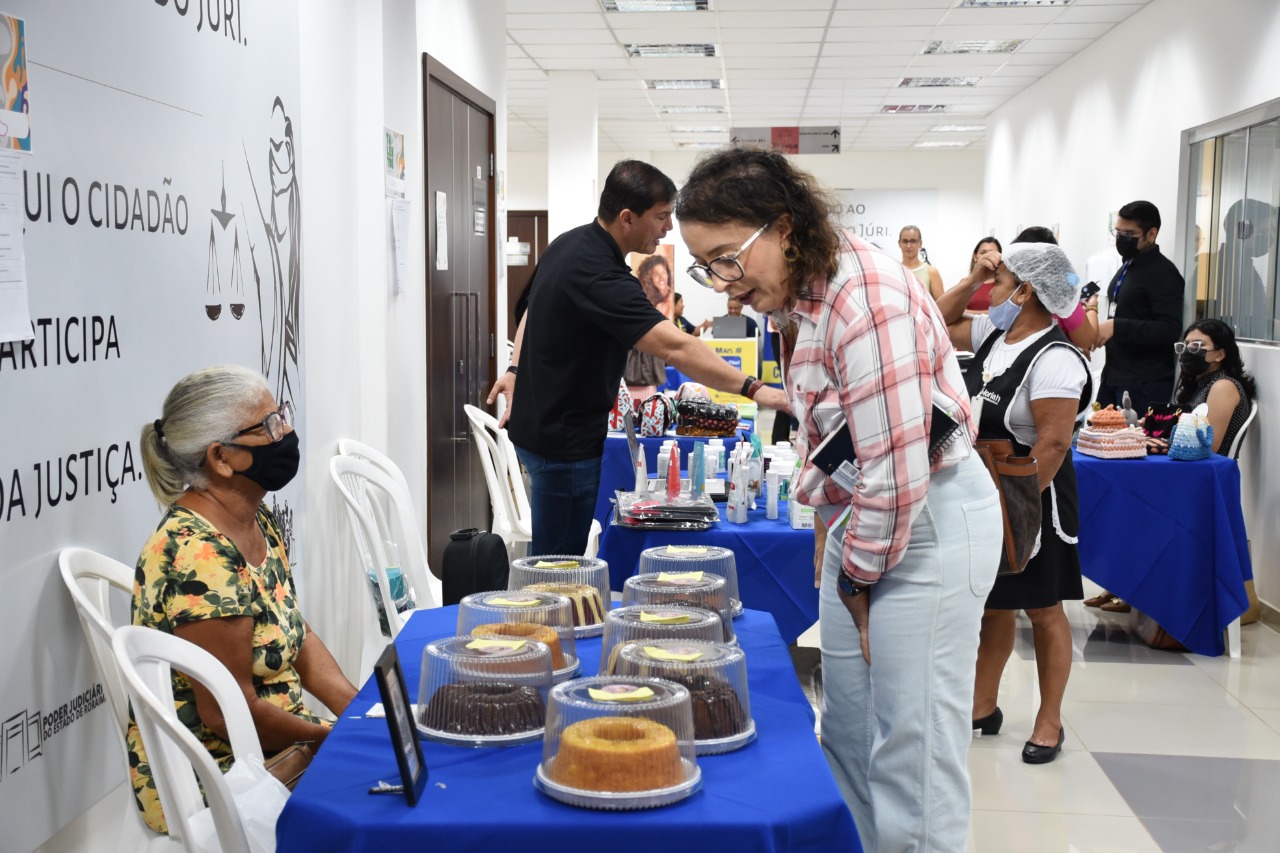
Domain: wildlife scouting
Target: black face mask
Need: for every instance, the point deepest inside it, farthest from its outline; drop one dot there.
(1193, 363)
(275, 464)
(1127, 246)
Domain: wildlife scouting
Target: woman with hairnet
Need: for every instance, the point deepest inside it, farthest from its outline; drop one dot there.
(1028, 385)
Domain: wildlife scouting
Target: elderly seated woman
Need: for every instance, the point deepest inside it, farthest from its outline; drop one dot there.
(216, 570)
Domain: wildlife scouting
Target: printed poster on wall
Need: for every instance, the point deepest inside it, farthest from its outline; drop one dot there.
(162, 210)
(741, 354)
(878, 215)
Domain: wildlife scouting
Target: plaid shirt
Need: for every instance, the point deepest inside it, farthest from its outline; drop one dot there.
(871, 345)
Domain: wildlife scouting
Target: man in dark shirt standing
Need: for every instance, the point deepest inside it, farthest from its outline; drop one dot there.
(586, 311)
(1145, 317)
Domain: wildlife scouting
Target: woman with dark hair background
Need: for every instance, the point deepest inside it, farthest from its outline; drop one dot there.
(1213, 373)
(980, 278)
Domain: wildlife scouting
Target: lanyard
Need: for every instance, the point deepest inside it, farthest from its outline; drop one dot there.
(1114, 296)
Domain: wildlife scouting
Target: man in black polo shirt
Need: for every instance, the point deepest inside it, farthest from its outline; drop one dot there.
(586, 311)
(1145, 317)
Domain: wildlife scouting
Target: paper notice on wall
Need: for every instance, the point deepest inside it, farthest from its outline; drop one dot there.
(399, 244)
(15, 313)
(442, 231)
(393, 162)
(15, 107)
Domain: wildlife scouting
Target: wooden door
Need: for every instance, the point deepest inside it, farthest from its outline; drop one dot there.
(460, 298)
(526, 226)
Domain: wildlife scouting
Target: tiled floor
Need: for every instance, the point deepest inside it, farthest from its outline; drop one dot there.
(1163, 752)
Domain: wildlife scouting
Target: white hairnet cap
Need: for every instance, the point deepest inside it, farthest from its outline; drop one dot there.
(1045, 267)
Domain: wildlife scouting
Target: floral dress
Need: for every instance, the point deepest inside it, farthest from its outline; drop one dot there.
(189, 571)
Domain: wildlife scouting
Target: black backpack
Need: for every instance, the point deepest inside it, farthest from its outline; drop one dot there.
(474, 561)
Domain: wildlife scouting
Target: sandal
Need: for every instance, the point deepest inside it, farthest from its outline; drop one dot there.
(1098, 600)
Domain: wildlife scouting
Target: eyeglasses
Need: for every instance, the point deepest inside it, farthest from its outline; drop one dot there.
(727, 268)
(274, 423)
(1191, 346)
(1115, 232)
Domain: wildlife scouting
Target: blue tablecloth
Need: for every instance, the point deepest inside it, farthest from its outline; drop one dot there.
(1168, 537)
(616, 471)
(775, 794)
(774, 562)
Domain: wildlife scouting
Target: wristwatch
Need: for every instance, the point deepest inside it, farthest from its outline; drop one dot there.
(848, 587)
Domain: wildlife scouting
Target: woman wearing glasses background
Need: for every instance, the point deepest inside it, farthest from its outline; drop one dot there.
(1212, 372)
(914, 538)
(216, 570)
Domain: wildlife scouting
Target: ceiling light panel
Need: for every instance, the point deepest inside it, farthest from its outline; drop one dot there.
(655, 5)
(958, 128)
(683, 84)
(944, 143)
(1007, 4)
(973, 46)
(692, 109)
(670, 51)
(938, 82)
(909, 109)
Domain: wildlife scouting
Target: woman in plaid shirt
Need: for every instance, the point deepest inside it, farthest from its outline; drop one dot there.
(914, 537)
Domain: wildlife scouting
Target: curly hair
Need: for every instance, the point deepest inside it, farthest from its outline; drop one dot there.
(754, 187)
(1224, 338)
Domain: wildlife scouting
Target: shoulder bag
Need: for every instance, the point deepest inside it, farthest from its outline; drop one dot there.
(1017, 479)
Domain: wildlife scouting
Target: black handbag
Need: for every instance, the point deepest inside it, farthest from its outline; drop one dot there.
(473, 561)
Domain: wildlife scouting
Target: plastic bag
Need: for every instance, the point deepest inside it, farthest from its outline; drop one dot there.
(259, 796)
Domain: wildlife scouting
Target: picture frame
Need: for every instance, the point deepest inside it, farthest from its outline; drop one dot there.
(404, 735)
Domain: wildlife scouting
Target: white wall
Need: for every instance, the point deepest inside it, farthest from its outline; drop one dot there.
(956, 175)
(1105, 128)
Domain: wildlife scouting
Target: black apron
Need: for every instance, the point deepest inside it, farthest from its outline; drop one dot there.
(1053, 574)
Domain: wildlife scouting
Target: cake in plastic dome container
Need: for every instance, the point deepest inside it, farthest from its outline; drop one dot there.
(693, 589)
(655, 622)
(477, 691)
(677, 559)
(583, 580)
(618, 743)
(715, 674)
(519, 615)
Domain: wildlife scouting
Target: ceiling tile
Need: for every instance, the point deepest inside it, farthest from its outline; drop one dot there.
(532, 37)
(580, 51)
(519, 6)
(782, 16)
(880, 34)
(1053, 45)
(772, 34)
(1078, 13)
(887, 18)
(1034, 16)
(552, 21)
(738, 55)
(770, 5)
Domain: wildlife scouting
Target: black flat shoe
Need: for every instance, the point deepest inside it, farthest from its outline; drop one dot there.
(990, 724)
(1033, 753)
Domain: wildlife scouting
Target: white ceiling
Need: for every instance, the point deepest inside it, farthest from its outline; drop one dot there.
(786, 63)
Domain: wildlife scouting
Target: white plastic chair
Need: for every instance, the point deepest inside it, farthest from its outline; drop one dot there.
(376, 506)
(146, 658)
(593, 539)
(90, 577)
(507, 522)
(1238, 442)
(360, 450)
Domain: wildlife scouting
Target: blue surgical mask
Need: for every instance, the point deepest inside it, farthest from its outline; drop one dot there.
(1004, 315)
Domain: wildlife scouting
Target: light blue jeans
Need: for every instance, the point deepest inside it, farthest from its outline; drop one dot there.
(897, 733)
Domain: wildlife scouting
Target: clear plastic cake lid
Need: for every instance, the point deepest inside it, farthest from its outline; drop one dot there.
(477, 691)
(519, 614)
(675, 559)
(619, 743)
(715, 675)
(656, 622)
(694, 589)
(583, 580)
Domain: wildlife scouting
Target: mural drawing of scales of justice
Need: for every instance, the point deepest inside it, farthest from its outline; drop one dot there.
(213, 278)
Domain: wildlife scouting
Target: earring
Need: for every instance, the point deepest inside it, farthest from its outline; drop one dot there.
(791, 254)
